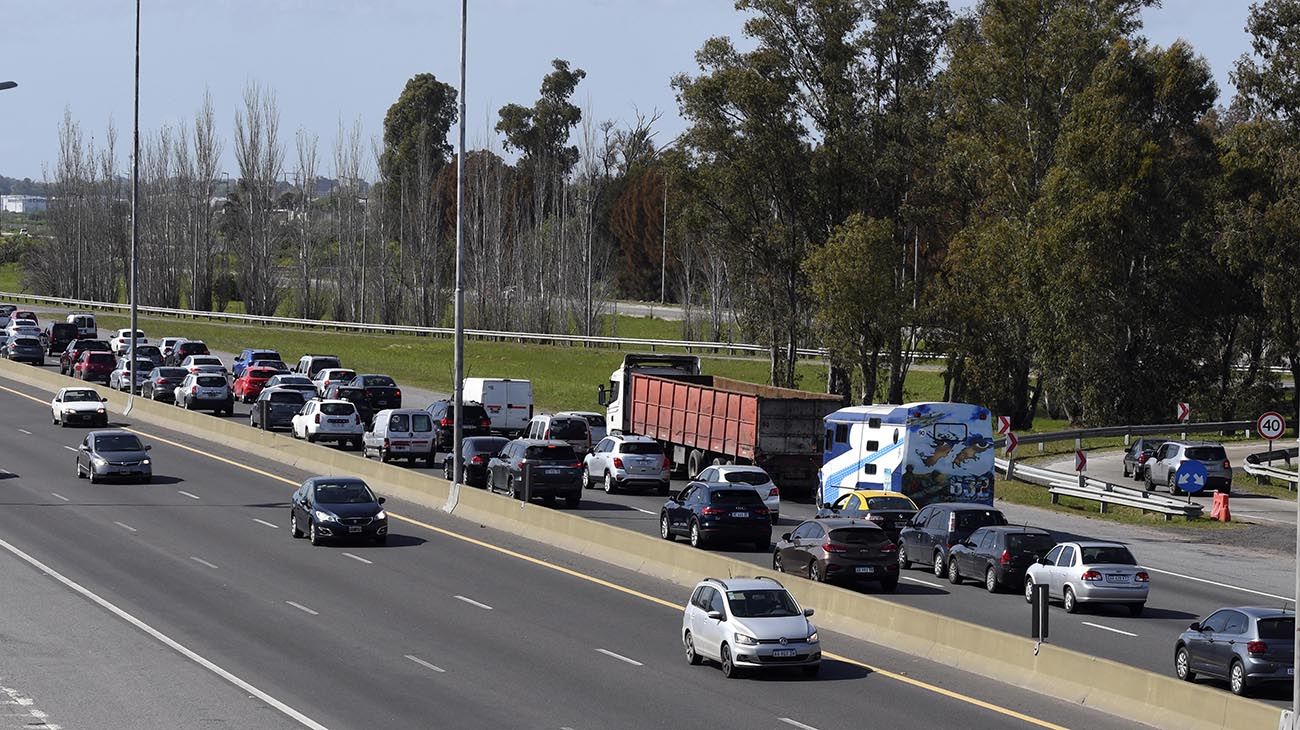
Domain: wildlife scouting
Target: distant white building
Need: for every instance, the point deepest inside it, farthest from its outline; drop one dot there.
(23, 203)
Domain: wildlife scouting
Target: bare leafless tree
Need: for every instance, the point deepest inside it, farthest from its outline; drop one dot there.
(260, 156)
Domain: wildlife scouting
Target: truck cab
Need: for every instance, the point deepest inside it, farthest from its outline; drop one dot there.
(615, 397)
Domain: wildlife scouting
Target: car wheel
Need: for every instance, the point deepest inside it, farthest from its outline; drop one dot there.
(1173, 488)
(1070, 603)
(777, 564)
(1183, 665)
(1146, 479)
(903, 562)
(1126, 472)
(79, 474)
(1237, 679)
(697, 539)
(447, 468)
(312, 534)
(954, 575)
(991, 580)
(815, 573)
(664, 530)
(1136, 609)
(384, 458)
(610, 487)
(939, 566)
(1029, 589)
(692, 657)
(90, 474)
(663, 490)
(889, 585)
(293, 525)
(729, 669)
(510, 488)
(311, 437)
(63, 424)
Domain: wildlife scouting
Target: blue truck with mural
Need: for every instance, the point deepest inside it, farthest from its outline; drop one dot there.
(931, 452)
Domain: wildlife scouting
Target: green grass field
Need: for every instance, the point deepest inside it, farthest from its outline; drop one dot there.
(1033, 495)
(10, 277)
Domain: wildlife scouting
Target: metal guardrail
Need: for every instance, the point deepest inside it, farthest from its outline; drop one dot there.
(542, 337)
(1259, 466)
(1104, 493)
(1079, 434)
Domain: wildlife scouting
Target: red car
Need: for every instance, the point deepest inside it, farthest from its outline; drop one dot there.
(94, 366)
(249, 385)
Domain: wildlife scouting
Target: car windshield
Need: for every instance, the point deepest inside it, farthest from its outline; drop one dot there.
(1029, 542)
(551, 453)
(1282, 627)
(973, 518)
(638, 447)
(343, 493)
(80, 396)
(764, 603)
(1207, 453)
(379, 381)
(118, 442)
(888, 503)
(747, 477)
(286, 396)
(569, 428)
(735, 497)
(1115, 554)
(338, 409)
(859, 536)
(205, 361)
(171, 372)
(485, 445)
(211, 381)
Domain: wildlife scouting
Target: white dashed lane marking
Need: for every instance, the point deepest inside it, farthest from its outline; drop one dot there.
(187, 494)
(303, 608)
(922, 582)
(60, 496)
(425, 664)
(796, 723)
(358, 558)
(620, 657)
(1106, 628)
(23, 430)
(125, 526)
(201, 561)
(268, 524)
(473, 602)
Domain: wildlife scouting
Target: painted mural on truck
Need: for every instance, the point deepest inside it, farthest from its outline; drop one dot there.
(931, 452)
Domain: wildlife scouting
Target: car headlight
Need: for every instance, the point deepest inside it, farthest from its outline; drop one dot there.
(813, 638)
(146, 462)
(69, 412)
(323, 516)
(747, 640)
(98, 461)
(99, 410)
(381, 515)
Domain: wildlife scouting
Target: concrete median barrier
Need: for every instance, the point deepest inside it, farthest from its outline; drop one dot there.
(1119, 689)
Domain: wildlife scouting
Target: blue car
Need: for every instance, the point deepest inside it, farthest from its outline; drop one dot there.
(249, 355)
(718, 512)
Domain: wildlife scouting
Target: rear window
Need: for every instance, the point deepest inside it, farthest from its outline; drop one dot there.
(264, 355)
(734, 497)
(100, 358)
(859, 536)
(888, 503)
(320, 363)
(421, 423)
(1207, 453)
(287, 396)
(211, 381)
(747, 477)
(172, 372)
(637, 447)
(379, 381)
(485, 445)
(1117, 555)
(594, 420)
(551, 453)
(204, 360)
(399, 422)
(971, 519)
(260, 373)
(1277, 628)
(27, 341)
(1029, 543)
(569, 428)
(338, 409)
(193, 347)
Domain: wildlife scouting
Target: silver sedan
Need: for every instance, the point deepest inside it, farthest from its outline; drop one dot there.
(1091, 572)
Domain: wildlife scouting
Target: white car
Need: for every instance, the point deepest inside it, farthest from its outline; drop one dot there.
(595, 421)
(749, 623)
(79, 405)
(1091, 572)
(329, 420)
(121, 375)
(121, 342)
(23, 328)
(754, 476)
(204, 364)
(325, 377)
(627, 462)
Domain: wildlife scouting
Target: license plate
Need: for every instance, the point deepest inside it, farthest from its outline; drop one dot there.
(900, 525)
(739, 514)
(338, 420)
(1117, 579)
(552, 471)
(783, 652)
(354, 529)
(866, 569)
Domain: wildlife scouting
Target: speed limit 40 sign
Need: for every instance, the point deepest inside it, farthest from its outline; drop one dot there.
(1270, 426)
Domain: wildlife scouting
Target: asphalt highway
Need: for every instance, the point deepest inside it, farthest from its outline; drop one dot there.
(443, 627)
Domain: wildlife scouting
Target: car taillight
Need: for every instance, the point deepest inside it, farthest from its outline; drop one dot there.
(1004, 558)
(446, 423)
(385, 443)
(1142, 577)
(397, 394)
(485, 422)
(1256, 647)
(888, 547)
(1091, 576)
(523, 461)
(577, 465)
(618, 463)
(476, 460)
(317, 418)
(668, 463)
(774, 492)
(194, 388)
(831, 547)
(713, 511)
(1142, 458)
(160, 381)
(1227, 465)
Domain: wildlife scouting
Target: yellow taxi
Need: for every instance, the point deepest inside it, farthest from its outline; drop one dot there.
(890, 510)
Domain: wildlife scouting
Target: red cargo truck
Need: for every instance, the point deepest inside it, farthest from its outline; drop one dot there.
(704, 419)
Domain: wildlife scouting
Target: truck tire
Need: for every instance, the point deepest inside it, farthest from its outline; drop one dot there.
(694, 464)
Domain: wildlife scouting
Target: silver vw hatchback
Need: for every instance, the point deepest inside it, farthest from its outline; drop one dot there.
(749, 623)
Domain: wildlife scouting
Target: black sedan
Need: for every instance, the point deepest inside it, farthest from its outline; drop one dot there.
(275, 408)
(476, 452)
(555, 471)
(998, 555)
(379, 392)
(721, 512)
(337, 508)
(1135, 458)
(113, 455)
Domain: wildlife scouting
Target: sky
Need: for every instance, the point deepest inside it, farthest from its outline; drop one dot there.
(337, 61)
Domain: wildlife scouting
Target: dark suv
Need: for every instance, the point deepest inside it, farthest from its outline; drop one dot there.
(72, 353)
(185, 349)
(998, 555)
(937, 528)
(474, 421)
(556, 471)
(57, 337)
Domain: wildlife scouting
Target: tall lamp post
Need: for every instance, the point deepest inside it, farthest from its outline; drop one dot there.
(459, 370)
(135, 210)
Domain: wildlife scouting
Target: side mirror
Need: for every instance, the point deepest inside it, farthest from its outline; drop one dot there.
(1195, 626)
(786, 536)
(103, 399)
(600, 396)
(148, 447)
(716, 615)
(807, 612)
(381, 500)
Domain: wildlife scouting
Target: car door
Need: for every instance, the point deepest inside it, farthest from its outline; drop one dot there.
(83, 454)
(708, 633)
(1223, 643)
(1042, 570)
(912, 537)
(970, 559)
(936, 534)
(600, 458)
(679, 510)
(1202, 645)
(1059, 572)
(807, 545)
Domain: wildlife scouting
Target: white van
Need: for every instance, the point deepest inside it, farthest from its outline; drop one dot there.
(509, 403)
(400, 433)
(86, 326)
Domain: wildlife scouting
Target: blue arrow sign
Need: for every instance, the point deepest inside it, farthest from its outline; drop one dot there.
(1191, 477)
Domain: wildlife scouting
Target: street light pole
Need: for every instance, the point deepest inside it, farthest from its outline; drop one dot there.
(135, 209)
(458, 414)
(663, 249)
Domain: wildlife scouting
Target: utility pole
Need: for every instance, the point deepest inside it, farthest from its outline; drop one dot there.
(135, 211)
(663, 249)
(458, 414)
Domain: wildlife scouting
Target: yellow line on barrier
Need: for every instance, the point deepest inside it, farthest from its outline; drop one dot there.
(608, 584)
